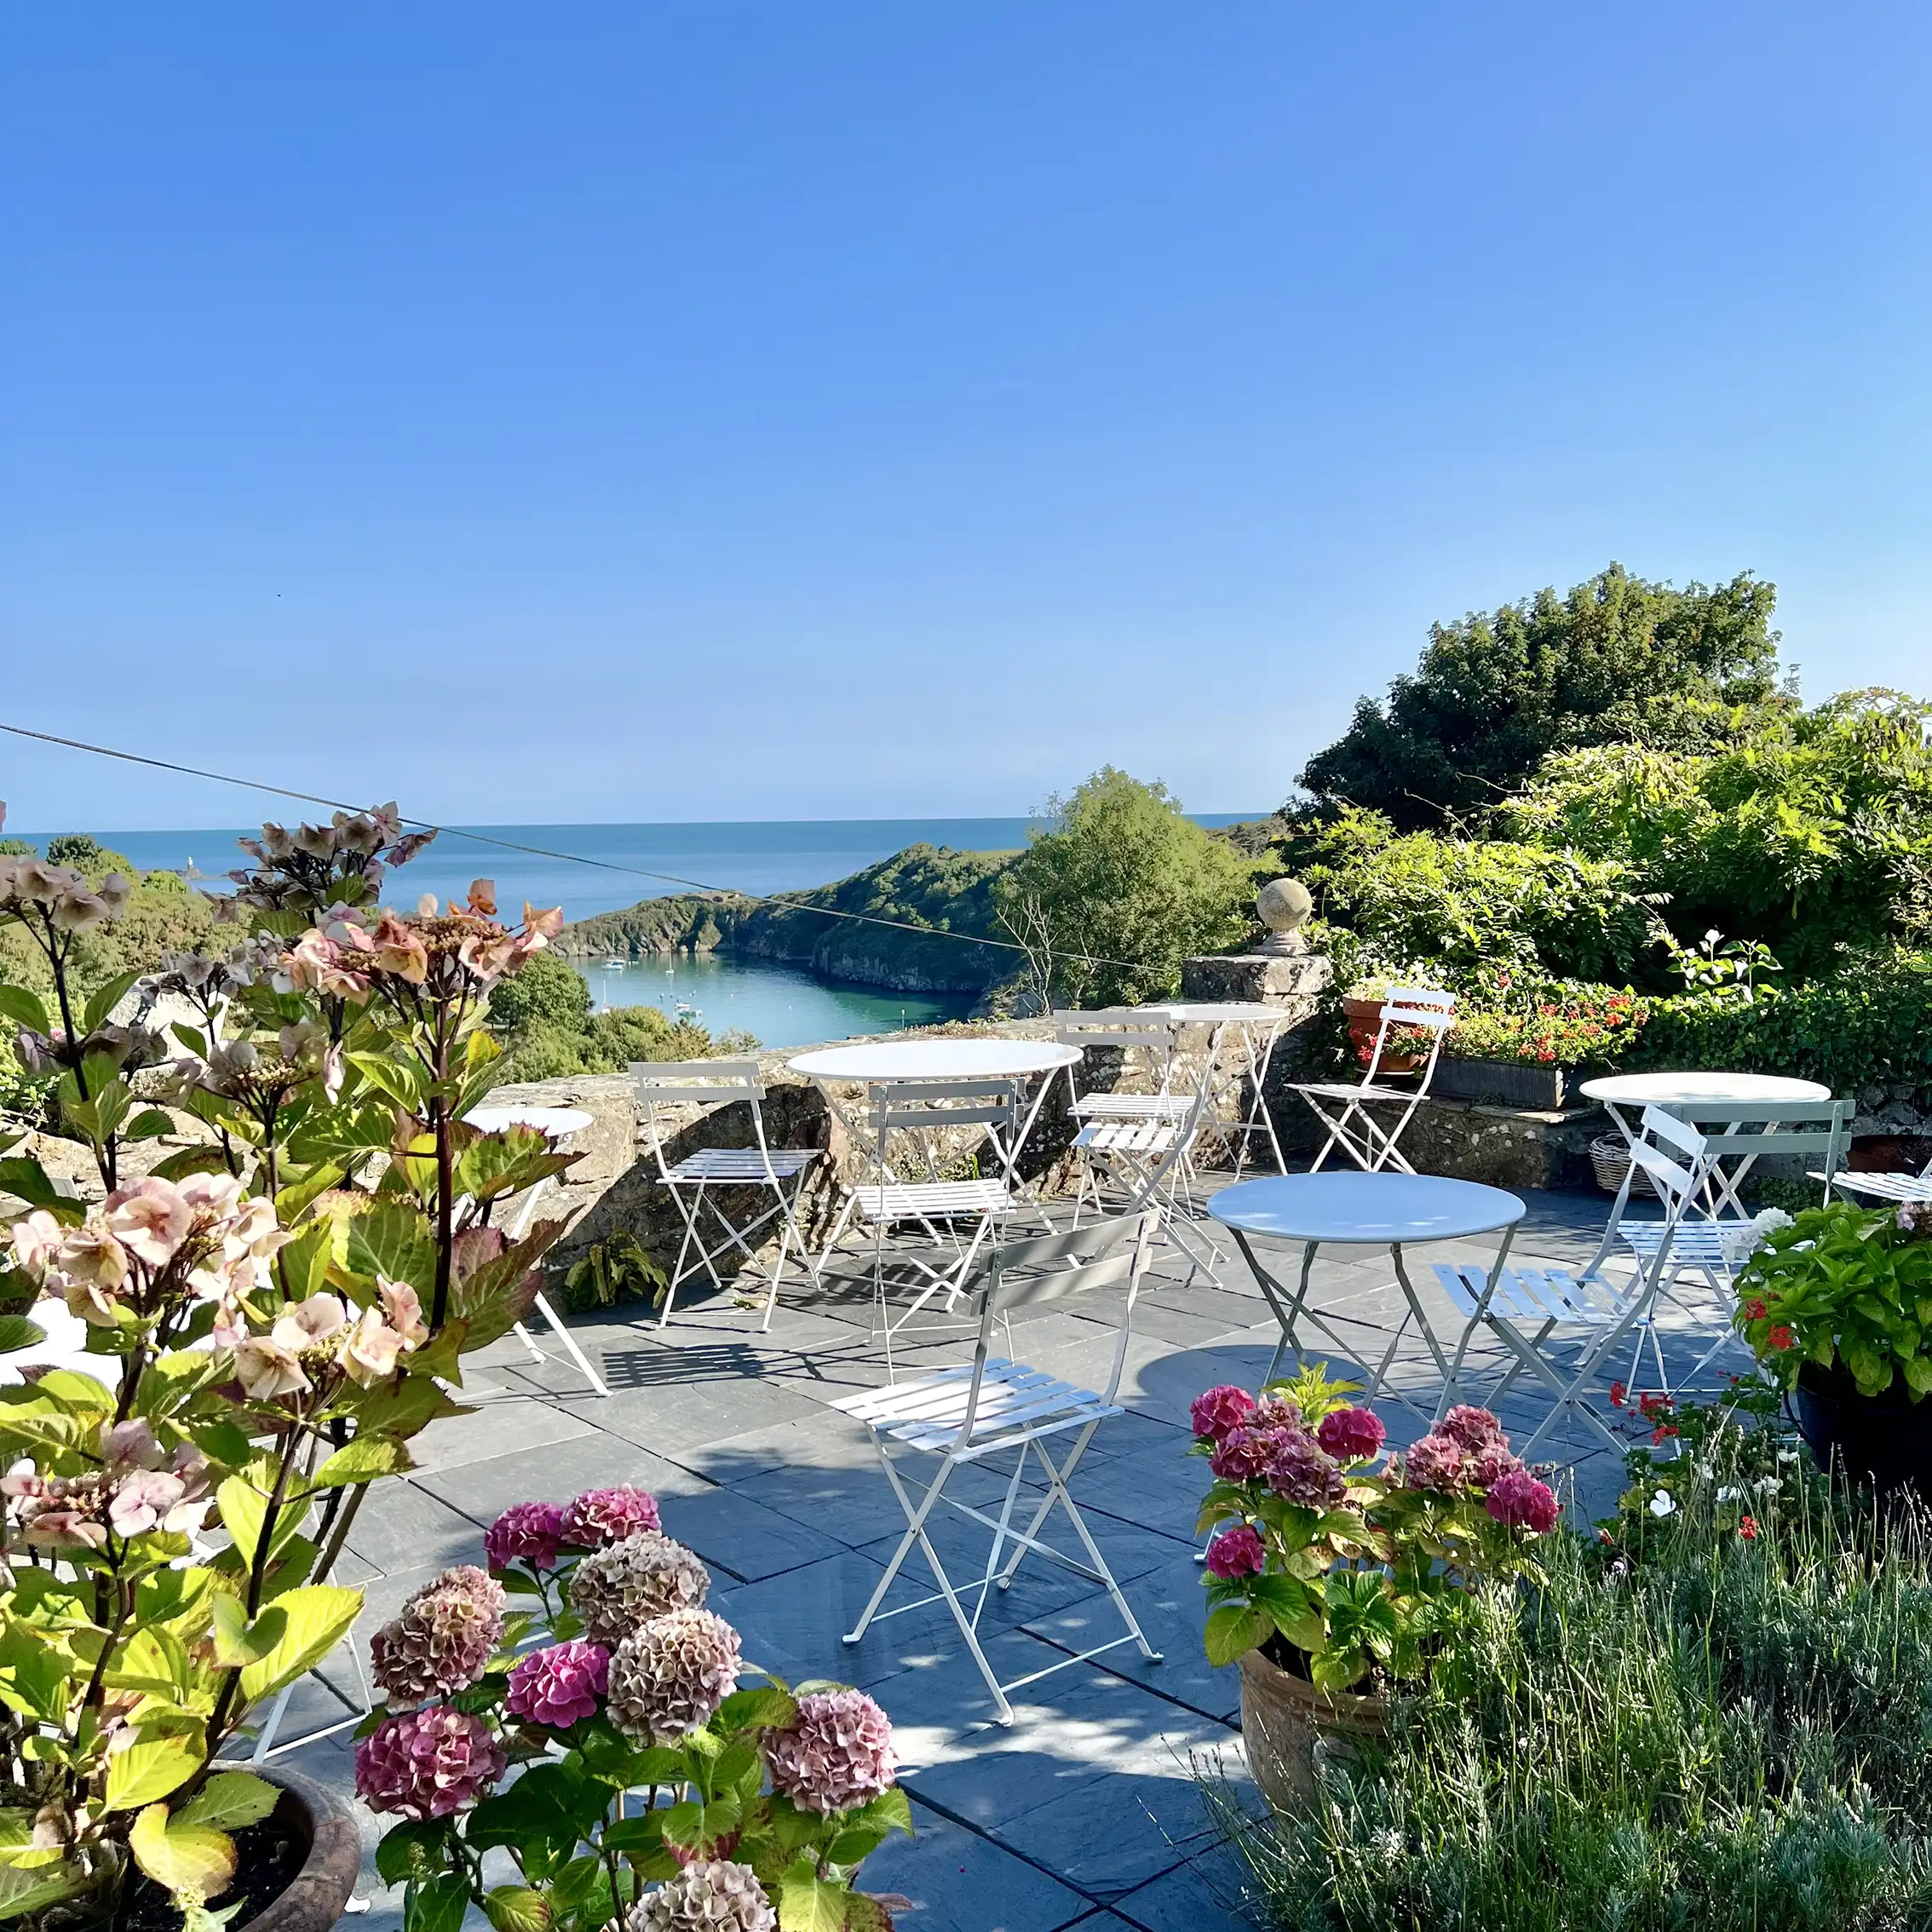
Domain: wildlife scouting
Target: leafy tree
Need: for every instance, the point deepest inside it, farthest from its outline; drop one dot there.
(548, 989)
(1119, 890)
(1616, 659)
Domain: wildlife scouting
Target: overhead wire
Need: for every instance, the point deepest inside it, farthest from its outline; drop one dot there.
(795, 902)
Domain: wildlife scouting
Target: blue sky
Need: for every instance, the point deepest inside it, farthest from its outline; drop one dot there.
(644, 412)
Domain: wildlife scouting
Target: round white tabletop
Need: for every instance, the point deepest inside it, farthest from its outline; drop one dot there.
(935, 1060)
(1368, 1210)
(556, 1121)
(1219, 1012)
(1687, 1090)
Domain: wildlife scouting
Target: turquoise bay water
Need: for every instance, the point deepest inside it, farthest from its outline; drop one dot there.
(612, 866)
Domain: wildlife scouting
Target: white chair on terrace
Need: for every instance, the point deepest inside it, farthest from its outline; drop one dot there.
(955, 1213)
(977, 1412)
(773, 1176)
(1137, 1124)
(1523, 1306)
(1344, 1109)
(1902, 1190)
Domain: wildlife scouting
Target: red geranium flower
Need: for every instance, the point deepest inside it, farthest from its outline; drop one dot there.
(1748, 1528)
(1779, 1337)
(1755, 1309)
(1618, 1392)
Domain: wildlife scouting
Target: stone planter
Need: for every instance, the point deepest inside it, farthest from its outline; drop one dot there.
(326, 1826)
(1507, 1082)
(1289, 1727)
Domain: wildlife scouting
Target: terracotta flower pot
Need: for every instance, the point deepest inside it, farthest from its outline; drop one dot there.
(1364, 1018)
(325, 1825)
(1289, 1726)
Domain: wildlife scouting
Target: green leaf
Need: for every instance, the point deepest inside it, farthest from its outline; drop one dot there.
(362, 1461)
(105, 999)
(319, 1617)
(151, 1661)
(516, 1908)
(244, 1509)
(147, 1125)
(24, 1009)
(16, 1331)
(393, 1238)
(150, 1769)
(1234, 1629)
(184, 1857)
(27, 1180)
(231, 1799)
(44, 1885)
(436, 1905)
(413, 1849)
(808, 1903)
(35, 1677)
(299, 1196)
(185, 1161)
(402, 1080)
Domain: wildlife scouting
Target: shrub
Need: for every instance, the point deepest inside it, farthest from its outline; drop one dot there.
(1867, 1026)
(1717, 1718)
(1593, 1027)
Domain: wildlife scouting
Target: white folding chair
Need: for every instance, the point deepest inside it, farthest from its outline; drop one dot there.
(773, 1175)
(1900, 1188)
(904, 1118)
(1343, 1110)
(1523, 1306)
(516, 1225)
(976, 1412)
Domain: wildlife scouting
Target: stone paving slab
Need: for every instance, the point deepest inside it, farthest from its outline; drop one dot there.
(1084, 1810)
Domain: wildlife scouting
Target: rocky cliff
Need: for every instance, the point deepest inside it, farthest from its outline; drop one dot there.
(899, 923)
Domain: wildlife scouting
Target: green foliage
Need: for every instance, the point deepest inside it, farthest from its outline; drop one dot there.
(549, 989)
(1616, 659)
(1119, 891)
(1461, 903)
(1868, 1025)
(1844, 1291)
(1586, 1027)
(1698, 1725)
(612, 1271)
(607, 1043)
(1811, 832)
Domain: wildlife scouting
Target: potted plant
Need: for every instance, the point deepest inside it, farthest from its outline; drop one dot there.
(1836, 1303)
(1336, 1573)
(1533, 1056)
(1406, 1047)
(266, 1318)
(515, 1733)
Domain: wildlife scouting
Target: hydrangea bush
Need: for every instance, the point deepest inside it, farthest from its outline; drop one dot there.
(1346, 1565)
(750, 1810)
(278, 1310)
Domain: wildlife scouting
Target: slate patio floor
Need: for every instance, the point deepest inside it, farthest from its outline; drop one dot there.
(1086, 1811)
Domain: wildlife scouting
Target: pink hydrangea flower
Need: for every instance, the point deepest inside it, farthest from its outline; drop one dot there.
(835, 1753)
(1518, 1499)
(1488, 1464)
(1237, 1552)
(1434, 1463)
(529, 1532)
(1469, 1427)
(426, 1763)
(1219, 1411)
(1299, 1470)
(599, 1516)
(1242, 1454)
(558, 1685)
(1351, 1435)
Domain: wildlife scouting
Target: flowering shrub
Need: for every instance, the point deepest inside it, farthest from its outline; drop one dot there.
(537, 1737)
(1847, 1292)
(1341, 1569)
(287, 1304)
(1579, 1028)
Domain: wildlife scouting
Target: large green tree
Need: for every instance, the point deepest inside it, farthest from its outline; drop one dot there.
(1117, 891)
(1618, 659)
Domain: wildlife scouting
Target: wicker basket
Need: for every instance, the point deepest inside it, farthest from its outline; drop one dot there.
(1610, 1161)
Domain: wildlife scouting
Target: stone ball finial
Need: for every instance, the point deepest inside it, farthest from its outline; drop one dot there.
(1284, 906)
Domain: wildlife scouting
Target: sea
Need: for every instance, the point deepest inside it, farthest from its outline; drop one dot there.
(599, 868)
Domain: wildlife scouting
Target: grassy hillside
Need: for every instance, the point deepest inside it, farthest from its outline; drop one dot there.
(933, 889)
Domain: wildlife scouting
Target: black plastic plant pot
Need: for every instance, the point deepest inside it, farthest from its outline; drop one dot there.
(1885, 1441)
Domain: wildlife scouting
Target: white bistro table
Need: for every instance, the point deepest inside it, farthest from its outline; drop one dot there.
(1362, 1210)
(1624, 1097)
(870, 1063)
(557, 1125)
(1256, 1024)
